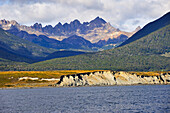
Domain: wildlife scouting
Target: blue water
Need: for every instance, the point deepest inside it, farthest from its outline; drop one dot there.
(128, 99)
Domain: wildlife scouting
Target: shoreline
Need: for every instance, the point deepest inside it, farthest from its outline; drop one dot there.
(81, 78)
(15, 88)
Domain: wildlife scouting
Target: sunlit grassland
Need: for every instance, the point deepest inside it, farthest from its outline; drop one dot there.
(10, 78)
(156, 73)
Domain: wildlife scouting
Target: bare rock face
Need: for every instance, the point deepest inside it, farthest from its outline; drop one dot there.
(96, 33)
(102, 78)
(137, 29)
(93, 31)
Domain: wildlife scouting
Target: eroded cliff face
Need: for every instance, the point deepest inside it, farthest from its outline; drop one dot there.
(102, 78)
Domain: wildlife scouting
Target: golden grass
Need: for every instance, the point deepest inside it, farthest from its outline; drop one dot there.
(10, 78)
(148, 73)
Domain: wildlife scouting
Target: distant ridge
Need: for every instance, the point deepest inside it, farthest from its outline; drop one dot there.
(78, 42)
(60, 54)
(95, 31)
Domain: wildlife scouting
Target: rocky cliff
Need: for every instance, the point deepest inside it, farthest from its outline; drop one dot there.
(102, 78)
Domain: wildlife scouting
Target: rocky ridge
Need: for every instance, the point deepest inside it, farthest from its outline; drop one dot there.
(94, 31)
(104, 78)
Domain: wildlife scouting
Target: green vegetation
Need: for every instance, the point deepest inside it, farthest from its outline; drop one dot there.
(22, 47)
(141, 55)
(11, 56)
(147, 50)
(17, 52)
(7, 65)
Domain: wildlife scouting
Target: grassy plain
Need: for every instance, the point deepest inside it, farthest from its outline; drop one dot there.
(10, 79)
(156, 73)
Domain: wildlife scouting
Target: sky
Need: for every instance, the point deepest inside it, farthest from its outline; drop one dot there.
(123, 14)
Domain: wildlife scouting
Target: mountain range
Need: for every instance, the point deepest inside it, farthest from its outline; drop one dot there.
(98, 32)
(147, 50)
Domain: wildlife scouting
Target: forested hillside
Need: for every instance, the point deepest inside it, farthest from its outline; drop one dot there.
(144, 54)
(16, 52)
(21, 46)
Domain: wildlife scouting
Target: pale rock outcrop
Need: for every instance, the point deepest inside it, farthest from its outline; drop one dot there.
(101, 78)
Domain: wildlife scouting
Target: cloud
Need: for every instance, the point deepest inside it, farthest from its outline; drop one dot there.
(123, 14)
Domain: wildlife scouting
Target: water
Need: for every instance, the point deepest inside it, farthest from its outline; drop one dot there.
(148, 98)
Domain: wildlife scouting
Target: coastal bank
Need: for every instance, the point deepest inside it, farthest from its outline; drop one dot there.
(109, 78)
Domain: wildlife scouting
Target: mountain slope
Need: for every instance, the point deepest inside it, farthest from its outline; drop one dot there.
(22, 47)
(149, 28)
(77, 42)
(59, 54)
(16, 52)
(144, 54)
(115, 41)
(9, 55)
(72, 42)
(41, 40)
(7, 65)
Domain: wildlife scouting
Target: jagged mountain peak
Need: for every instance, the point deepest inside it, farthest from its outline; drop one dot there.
(85, 23)
(75, 24)
(59, 25)
(37, 25)
(6, 22)
(92, 31)
(138, 28)
(48, 26)
(98, 20)
(75, 21)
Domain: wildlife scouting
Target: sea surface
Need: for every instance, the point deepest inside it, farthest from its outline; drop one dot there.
(121, 99)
